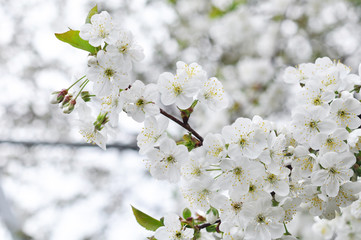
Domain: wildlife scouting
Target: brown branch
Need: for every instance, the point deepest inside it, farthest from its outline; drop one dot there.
(207, 224)
(182, 124)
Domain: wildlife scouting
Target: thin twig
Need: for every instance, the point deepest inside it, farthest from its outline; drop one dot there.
(182, 124)
(207, 224)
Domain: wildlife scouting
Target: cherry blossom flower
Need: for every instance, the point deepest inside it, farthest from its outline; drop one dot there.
(140, 101)
(107, 75)
(238, 173)
(345, 112)
(215, 147)
(244, 138)
(165, 162)
(100, 30)
(173, 229)
(125, 47)
(176, 89)
(212, 94)
(336, 171)
(152, 134)
(264, 221)
(333, 142)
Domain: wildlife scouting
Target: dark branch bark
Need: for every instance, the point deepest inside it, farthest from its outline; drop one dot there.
(207, 224)
(182, 124)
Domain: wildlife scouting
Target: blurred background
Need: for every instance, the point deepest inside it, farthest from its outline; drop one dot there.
(53, 186)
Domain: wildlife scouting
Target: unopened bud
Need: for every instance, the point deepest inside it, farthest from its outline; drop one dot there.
(212, 215)
(85, 95)
(92, 61)
(66, 100)
(58, 96)
(69, 107)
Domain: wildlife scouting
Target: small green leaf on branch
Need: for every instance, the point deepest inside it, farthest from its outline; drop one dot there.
(212, 228)
(187, 213)
(92, 12)
(146, 221)
(72, 37)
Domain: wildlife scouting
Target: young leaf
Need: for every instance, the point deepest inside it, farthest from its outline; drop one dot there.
(72, 37)
(212, 228)
(146, 221)
(93, 11)
(187, 213)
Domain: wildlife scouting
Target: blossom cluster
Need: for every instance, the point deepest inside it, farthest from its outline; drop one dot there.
(249, 41)
(250, 178)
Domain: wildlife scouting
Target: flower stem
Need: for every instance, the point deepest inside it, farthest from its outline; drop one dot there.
(206, 224)
(76, 82)
(182, 124)
(286, 230)
(84, 84)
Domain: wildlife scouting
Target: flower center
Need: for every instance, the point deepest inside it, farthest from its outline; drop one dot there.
(242, 142)
(140, 102)
(109, 72)
(342, 113)
(237, 171)
(271, 178)
(317, 101)
(178, 235)
(333, 171)
(313, 124)
(237, 206)
(123, 48)
(260, 218)
(170, 159)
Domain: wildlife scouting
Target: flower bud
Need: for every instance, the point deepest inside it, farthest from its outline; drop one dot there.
(85, 95)
(92, 61)
(69, 107)
(212, 215)
(66, 100)
(58, 96)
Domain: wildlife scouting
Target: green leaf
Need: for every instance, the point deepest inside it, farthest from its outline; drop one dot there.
(72, 37)
(93, 11)
(187, 213)
(212, 228)
(146, 221)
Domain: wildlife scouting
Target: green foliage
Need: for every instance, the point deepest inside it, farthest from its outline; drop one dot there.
(92, 11)
(355, 2)
(146, 221)
(212, 228)
(275, 203)
(72, 37)
(216, 12)
(187, 213)
(189, 141)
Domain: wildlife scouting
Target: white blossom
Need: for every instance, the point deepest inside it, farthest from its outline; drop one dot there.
(173, 230)
(107, 75)
(336, 171)
(100, 30)
(333, 142)
(140, 101)
(165, 162)
(244, 138)
(152, 134)
(212, 94)
(125, 47)
(264, 221)
(345, 112)
(176, 89)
